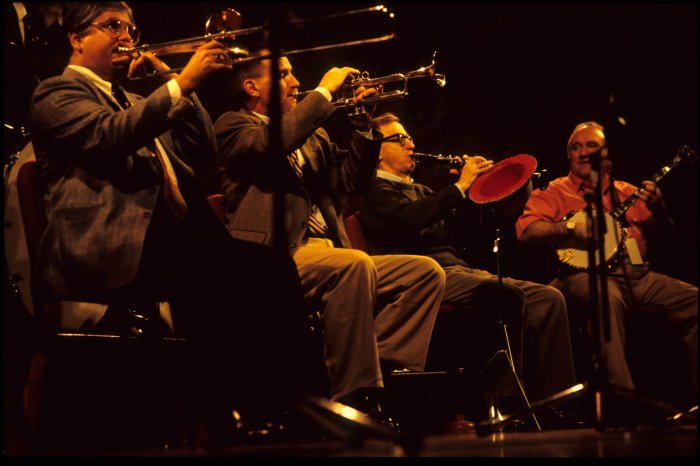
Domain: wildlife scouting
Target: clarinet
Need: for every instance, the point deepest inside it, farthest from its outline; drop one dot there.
(450, 160)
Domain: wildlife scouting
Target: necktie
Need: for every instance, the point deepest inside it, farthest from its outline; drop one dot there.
(171, 191)
(120, 96)
(317, 226)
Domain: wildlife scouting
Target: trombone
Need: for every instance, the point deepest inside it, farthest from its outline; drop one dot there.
(346, 94)
(224, 26)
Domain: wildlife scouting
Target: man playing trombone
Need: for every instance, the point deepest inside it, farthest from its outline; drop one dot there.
(399, 216)
(129, 226)
(374, 307)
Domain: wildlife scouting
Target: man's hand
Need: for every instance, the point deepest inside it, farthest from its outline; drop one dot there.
(334, 78)
(209, 57)
(650, 194)
(362, 120)
(473, 167)
(147, 63)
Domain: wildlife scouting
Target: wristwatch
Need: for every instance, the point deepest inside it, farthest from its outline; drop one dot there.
(570, 227)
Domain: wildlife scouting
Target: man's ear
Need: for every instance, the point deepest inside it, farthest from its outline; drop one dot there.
(251, 87)
(76, 41)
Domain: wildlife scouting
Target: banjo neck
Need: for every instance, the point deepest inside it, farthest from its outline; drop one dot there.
(681, 154)
(575, 258)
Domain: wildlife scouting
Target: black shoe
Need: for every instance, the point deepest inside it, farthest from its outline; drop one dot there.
(559, 419)
(366, 400)
(140, 320)
(232, 429)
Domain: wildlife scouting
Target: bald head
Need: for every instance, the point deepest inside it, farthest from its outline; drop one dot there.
(591, 126)
(586, 140)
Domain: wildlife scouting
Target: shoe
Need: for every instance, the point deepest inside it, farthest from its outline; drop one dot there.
(141, 320)
(560, 419)
(231, 429)
(366, 400)
(459, 426)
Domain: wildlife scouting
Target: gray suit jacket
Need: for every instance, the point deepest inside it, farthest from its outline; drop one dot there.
(102, 182)
(251, 175)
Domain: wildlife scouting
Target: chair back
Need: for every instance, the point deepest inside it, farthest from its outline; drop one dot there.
(216, 202)
(354, 231)
(30, 192)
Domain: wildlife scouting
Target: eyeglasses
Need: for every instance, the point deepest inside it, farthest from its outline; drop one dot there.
(115, 28)
(398, 137)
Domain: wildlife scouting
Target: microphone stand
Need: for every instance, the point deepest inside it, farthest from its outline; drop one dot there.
(598, 301)
(497, 421)
(602, 389)
(356, 427)
(494, 415)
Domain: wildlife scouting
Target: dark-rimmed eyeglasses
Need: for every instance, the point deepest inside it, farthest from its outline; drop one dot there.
(398, 137)
(115, 28)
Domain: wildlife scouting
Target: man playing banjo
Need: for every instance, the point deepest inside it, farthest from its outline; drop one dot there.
(553, 217)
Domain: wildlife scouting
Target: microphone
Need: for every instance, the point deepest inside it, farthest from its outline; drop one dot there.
(596, 158)
(541, 179)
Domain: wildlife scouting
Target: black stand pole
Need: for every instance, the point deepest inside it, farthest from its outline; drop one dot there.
(498, 424)
(494, 414)
(326, 412)
(599, 315)
(604, 392)
(275, 113)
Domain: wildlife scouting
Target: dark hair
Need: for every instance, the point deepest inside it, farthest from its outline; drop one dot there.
(383, 119)
(247, 70)
(78, 16)
(223, 91)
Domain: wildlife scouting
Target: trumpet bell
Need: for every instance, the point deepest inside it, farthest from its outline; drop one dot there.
(507, 185)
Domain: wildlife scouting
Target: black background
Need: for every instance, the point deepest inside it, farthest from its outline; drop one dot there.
(519, 78)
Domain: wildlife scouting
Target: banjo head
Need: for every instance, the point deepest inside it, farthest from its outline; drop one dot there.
(572, 256)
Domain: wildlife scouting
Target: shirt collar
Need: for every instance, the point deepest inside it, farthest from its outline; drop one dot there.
(104, 86)
(21, 14)
(391, 177)
(582, 184)
(264, 118)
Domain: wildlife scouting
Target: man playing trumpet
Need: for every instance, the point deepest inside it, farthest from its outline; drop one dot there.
(402, 217)
(374, 307)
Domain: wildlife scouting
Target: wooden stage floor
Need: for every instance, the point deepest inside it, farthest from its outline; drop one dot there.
(678, 443)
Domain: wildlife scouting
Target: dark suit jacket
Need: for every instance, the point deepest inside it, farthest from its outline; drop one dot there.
(251, 175)
(102, 182)
(398, 218)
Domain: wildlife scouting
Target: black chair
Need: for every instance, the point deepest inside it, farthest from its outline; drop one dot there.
(468, 381)
(95, 390)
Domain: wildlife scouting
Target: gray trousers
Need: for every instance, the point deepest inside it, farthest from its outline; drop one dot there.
(678, 299)
(373, 307)
(545, 355)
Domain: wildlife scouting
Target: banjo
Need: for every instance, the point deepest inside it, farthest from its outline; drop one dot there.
(615, 234)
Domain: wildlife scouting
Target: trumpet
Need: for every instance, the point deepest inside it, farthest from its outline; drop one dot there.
(224, 26)
(346, 94)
